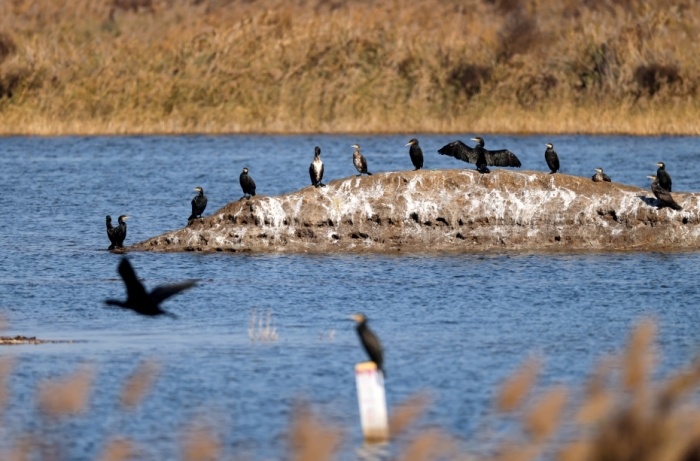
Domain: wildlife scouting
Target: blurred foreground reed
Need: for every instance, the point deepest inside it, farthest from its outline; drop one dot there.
(620, 414)
(477, 66)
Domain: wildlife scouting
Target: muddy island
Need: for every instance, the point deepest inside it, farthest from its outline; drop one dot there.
(445, 211)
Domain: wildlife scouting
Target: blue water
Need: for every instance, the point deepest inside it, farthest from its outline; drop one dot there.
(453, 326)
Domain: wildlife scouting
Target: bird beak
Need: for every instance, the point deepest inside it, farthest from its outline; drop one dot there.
(354, 317)
(408, 144)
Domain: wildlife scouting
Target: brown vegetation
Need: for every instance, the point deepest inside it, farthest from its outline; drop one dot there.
(622, 414)
(117, 66)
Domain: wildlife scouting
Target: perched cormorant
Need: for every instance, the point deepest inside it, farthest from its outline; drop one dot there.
(552, 158)
(359, 161)
(663, 177)
(662, 195)
(316, 168)
(199, 203)
(479, 155)
(116, 234)
(599, 176)
(369, 341)
(138, 299)
(247, 184)
(416, 153)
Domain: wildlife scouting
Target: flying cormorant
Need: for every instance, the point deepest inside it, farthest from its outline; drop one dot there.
(138, 299)
(116, 234)
(552, 158)
(316, 168)
(416, 153)
(662, 195)
(599, 176)
(479, 155)
(663, 177)
(247, 184)
(369, 341)
(359, 161)
(199, 203)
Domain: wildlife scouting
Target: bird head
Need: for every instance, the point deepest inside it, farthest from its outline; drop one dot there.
(478, 140)
(245, 170)
(356, 146)
(317, 151)
(198, 189)
(550, 146)
(652, 177)
(660, 165)
(412, 142)
(123, 217)
(599, 170)
(359, 318)
(109, 218)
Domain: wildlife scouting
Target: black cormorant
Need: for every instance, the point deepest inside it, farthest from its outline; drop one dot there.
(599, 176)
(138, 299)
(359, 161)
(662, 195)
(369, 341)
(416, 153)
(479, 155)
(552, 158)
(663, 177)
(199, 203)
(116, 234)
(316, 168)
(247, 184)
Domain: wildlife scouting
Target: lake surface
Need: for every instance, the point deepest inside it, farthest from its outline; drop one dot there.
(454, 326)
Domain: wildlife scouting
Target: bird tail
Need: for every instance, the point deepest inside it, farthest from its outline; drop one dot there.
(369, 174)
(676, 206)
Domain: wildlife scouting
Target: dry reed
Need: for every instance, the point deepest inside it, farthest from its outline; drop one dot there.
(214, 66)
(623, 414)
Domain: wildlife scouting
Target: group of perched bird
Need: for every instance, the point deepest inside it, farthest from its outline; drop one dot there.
(478, 155)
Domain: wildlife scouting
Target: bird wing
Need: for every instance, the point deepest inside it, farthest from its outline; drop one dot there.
(459, 150)
(163, 292)
(134, 288)
(502, 157)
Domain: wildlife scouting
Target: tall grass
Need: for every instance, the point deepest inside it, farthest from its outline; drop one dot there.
(622, 413)
(604, 66)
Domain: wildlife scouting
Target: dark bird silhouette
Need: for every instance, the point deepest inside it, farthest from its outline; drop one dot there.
(552, 159)
(116, 234)
(199, 203)
(599, 176)
(483, 158)
(662, 195)
(663, 177)
(369, 341)
(316, 169)
(139, 300)
(247, 184)
(359, 161)
(416, 153)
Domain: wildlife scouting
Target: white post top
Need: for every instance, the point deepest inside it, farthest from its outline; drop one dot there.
(371, 398)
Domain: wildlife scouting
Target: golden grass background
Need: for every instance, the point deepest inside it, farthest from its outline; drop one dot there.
(231, 66)
(622, 413)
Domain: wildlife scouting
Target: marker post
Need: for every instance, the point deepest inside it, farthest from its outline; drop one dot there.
(371, 398)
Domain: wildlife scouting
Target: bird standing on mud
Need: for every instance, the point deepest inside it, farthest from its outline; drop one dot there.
(199, 203)
(663, 177)
(479, 155)
(599, 176)
(359, 161)
(116, 234)
(662, 195)
(247, 184)
(416, 153)
(138, 299)
(552, 158)
(369, 341)
(316, 168)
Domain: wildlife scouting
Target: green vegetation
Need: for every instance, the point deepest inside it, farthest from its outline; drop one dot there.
(214, 66)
